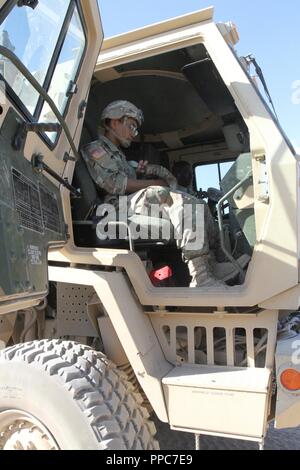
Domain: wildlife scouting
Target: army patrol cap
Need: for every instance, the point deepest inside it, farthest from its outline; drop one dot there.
(120, 108)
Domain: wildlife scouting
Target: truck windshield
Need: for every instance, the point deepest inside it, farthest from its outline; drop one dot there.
(210, 175)
(32, 35)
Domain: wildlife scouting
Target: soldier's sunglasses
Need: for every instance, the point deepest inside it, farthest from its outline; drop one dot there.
(132, 127)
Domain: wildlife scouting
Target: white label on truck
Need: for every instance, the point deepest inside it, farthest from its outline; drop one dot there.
(34, 254)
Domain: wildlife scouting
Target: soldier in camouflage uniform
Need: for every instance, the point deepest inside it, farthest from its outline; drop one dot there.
(183, 174)
(195, 230)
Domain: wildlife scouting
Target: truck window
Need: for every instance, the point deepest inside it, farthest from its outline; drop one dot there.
(65, 71)
(32, 34)
(210, 175)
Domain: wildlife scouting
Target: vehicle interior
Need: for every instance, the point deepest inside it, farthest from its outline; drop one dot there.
(189, 116)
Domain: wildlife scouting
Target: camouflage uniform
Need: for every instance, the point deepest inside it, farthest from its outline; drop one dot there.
(187, 190)
(194, 228)
(108, 167)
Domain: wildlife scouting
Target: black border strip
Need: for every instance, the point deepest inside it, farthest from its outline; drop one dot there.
(6, 9)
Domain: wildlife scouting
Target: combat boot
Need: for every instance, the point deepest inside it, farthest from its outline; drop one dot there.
(202, 274)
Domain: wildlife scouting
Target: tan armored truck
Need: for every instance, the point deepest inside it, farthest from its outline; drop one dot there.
(99, 335)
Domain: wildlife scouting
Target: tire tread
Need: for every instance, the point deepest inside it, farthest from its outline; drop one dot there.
(107, 399)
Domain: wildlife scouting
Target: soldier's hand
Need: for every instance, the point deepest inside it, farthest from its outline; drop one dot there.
(163, 174)
(142, 166)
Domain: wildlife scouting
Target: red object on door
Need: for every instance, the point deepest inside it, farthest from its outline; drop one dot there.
(159, 275)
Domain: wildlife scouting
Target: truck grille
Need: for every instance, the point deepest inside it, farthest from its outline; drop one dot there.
(50, 210)
(241, 340)
(27, 202)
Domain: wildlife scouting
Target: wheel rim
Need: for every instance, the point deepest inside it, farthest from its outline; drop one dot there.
(21, 431)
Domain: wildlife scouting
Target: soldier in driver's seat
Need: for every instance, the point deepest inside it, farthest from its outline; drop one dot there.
(195, 231)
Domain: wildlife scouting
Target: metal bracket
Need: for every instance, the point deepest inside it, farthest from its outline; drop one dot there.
(72, 89)
(263, 183)
(68, 158)
(38, 164)
(28, 3)
(260, 157)
(25, 127)
(81, 108)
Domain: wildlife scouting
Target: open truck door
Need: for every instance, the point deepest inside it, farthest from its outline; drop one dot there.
(48, 52)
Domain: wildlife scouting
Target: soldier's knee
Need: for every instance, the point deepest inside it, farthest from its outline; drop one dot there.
(159, 195)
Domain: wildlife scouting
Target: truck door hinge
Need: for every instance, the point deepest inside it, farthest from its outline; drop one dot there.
(28, 3)
(81, 108)
(72, 89)
(263, 181)
(68, 158)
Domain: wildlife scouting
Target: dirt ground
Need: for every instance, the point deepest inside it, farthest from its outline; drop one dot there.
(287, 439)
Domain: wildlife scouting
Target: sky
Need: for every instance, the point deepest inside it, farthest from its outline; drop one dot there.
(269, 29)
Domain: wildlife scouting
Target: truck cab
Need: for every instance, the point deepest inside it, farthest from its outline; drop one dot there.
(89, 319)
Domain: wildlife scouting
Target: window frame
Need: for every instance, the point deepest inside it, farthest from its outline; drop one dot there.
(209, 162)
(48, 79)
(4, 12)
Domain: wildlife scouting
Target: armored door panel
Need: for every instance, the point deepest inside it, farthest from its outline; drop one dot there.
(31, 218)
(48, 52)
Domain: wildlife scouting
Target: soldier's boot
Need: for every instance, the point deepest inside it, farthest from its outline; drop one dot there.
(227, 271)
(202, 274)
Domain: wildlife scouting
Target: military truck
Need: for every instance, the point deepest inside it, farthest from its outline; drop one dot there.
(99, 335)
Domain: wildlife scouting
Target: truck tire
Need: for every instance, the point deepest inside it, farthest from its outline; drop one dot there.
(62, 395)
